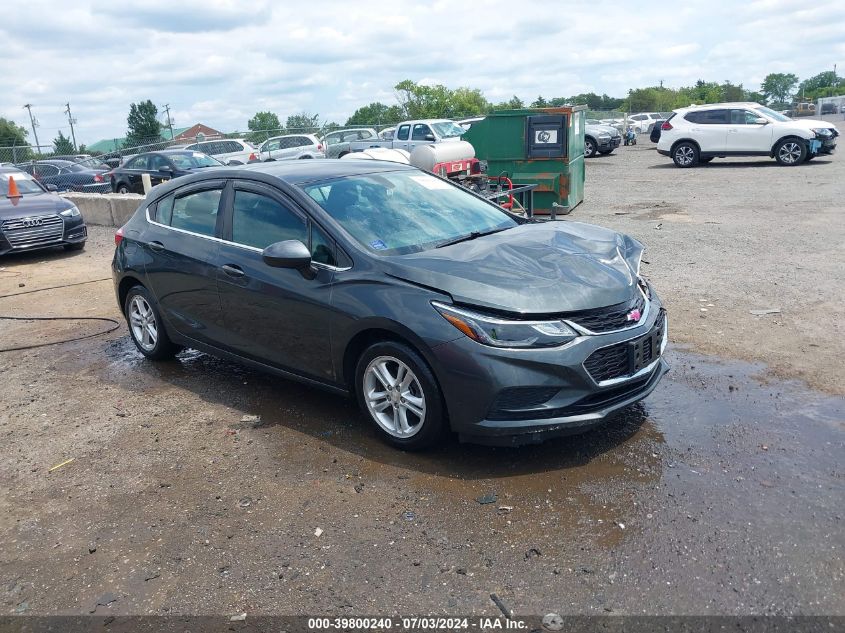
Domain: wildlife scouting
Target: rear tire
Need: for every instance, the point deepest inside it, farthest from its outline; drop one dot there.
(146, 326)
(790, 152)
(397, 391)
(685, 154)
(122, 188)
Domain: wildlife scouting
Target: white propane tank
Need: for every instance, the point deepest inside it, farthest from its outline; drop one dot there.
(427, 156)
(380, 153)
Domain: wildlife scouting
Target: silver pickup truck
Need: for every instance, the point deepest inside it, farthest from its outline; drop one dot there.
(409, 134)
(336, 143)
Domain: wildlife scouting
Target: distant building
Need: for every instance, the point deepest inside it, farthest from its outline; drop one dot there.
(197, 132)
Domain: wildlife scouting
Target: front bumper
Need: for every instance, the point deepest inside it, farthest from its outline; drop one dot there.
(608, 143)
(512, 397)
(50, 233)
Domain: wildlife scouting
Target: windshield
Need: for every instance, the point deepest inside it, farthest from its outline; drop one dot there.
(402, 212)
(447, 129)
(777, 116)
(191, 161)
(24, 182)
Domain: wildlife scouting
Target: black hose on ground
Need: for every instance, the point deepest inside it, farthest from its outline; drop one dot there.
(114, 322)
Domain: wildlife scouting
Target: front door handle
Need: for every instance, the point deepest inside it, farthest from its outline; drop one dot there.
(157, 246)
(232, 270)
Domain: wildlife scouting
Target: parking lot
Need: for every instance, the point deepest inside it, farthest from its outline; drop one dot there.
(720, 493)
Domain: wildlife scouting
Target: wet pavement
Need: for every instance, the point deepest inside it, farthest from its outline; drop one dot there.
(720, 493)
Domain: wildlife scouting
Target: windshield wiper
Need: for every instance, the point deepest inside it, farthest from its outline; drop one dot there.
(471, 236)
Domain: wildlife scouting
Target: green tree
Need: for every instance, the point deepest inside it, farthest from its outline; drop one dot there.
(263, 125)
(778, 87)
(732, 92)
(375, 113)
(515, 103)
(757, 97)
(303, 123)
(468, 102)
(824, 84)
(423, 102)
(143, 124)
(62, 145)
(540, 102)
(13, 144)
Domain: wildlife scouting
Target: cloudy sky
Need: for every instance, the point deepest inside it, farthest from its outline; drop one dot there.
(220, 61)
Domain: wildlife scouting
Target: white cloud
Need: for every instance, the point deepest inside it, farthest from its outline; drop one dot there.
(220, 61)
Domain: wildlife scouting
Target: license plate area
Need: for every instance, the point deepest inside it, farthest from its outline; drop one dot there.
(645, 350)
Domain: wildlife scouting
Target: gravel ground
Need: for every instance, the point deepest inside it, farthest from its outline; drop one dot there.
(722, 493)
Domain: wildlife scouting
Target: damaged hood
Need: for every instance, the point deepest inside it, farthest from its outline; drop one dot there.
(541, 268)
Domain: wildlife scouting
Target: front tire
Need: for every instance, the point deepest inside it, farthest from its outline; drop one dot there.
(398, 392)
(146, 326)
(589, 147)
(685, 154)
(790, 152)
(122, 188)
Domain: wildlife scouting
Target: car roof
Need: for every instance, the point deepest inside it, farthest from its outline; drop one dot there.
(55, 162)
(293, 172)
(272, 138)
(717, 106)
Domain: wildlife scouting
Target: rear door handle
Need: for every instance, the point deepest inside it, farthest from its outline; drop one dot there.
(232, 270)
(157, 246)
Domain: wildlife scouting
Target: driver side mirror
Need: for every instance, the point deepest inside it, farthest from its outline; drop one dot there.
(165, 170)
(51, 187)
(761, 121)
(430, 137)
(289, 254)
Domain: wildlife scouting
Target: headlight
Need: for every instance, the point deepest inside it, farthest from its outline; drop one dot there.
(498, 332)
(603, 135)
(70, 213)
(822, 131)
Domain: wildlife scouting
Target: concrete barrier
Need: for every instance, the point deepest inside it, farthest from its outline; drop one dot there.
(105, 209)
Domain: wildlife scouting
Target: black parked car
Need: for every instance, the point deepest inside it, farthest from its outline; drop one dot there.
(67, 175)
(654, 135)
(161, 166)
(436, 308)
(36, 218)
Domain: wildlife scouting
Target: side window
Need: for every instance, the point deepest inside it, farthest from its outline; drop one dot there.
(139, 162)
(259, 220)
(156, 162)
(164, 210)
(715, 117)
(751, 117)
(193, 148)
(196, 212)
(271, 145)
(285, 143)
(420, 131)
(232, 146)
(402, 134)
(322, 248)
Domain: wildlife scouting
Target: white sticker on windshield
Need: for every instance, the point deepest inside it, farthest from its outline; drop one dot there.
(198, 154)
(430, 182)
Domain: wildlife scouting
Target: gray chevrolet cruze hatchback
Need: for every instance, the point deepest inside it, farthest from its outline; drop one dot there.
(435, 308)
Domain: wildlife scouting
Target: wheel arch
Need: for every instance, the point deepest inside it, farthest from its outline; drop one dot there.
(127, 283)
(685, 140)
(787, 137)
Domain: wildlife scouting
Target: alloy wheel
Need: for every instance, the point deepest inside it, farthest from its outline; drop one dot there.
(142, 322)
(394, 396)
(685, 155)
(789, 153)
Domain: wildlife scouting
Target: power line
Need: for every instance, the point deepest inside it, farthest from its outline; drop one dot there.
(166, 107)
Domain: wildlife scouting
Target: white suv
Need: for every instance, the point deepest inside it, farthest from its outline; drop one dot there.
(229, 151)
(699, 134)
(644, 121)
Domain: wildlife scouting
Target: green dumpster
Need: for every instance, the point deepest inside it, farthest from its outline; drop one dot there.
(542, 146)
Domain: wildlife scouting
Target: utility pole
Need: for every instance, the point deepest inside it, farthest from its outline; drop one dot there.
(166, 107)
(34, 124)
(71, 120)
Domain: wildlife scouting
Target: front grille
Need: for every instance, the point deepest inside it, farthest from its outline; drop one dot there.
(626, 359)
(48, 229)
(611, 318)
